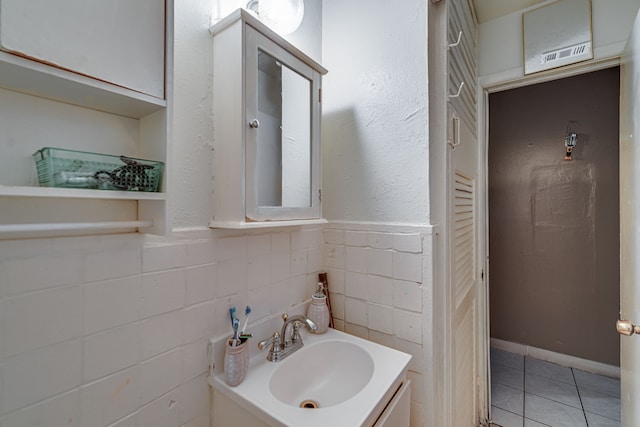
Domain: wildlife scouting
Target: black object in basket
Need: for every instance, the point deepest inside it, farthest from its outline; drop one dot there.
(78, 169)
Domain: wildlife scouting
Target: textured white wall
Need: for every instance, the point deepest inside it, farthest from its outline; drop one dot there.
(375, 111)
(500, 40)
(192, 120)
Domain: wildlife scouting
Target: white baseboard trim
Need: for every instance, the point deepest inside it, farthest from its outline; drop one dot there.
(557, 358)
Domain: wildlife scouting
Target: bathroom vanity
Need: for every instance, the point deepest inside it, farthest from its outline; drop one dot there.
(335, 379)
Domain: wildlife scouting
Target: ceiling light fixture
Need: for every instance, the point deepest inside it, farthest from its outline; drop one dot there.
(282, 16)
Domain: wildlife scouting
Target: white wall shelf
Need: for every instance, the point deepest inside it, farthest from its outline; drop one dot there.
(240, 225)
(35, 78)
(24, 191)
(53, 229)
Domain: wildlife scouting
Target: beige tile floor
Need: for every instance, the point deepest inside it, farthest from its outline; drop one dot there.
(527, 392)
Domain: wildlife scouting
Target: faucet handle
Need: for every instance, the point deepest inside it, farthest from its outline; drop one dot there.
(274, 340)
(295, 332)
(276, 348)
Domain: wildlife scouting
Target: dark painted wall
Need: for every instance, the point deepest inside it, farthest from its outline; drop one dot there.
(554, 224)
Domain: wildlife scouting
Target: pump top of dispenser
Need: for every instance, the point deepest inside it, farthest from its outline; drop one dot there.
(319, 291)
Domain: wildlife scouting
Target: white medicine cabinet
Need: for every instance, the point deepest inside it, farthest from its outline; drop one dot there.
(267, 108)
(85, 76)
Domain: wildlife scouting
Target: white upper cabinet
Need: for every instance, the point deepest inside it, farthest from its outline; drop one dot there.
(84, 75)
(267, 98)
(121, 42)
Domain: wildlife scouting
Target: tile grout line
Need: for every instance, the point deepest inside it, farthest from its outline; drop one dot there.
(580, 406)
(524, 388)
(580, 397)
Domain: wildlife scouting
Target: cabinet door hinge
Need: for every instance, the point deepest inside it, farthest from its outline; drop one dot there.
(320, 95)
(320, 195)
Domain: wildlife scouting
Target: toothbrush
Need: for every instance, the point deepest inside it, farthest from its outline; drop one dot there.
(232, 314)
(236, 322)
(246, 318)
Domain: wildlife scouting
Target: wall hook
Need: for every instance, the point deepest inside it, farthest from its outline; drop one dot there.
(570, 140)
(457, 93)
(457, 42)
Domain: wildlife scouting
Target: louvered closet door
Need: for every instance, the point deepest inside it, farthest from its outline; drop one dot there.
(463, 230)
(464, 281)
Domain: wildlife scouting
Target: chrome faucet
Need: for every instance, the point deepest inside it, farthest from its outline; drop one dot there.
(283, 345)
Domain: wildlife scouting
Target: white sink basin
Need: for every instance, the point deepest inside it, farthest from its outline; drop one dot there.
(323, 375)
(348, 378)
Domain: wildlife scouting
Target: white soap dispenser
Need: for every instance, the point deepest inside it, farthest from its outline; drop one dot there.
(318, 310)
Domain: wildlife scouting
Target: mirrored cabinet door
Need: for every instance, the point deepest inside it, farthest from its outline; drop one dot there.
(282, 119)
(266, 121)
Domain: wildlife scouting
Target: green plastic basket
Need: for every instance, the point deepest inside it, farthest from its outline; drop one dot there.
(58, 167)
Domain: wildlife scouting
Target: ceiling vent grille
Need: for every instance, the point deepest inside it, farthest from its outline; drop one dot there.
(565, 53)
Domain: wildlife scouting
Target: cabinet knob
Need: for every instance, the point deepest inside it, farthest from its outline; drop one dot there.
(254, 124)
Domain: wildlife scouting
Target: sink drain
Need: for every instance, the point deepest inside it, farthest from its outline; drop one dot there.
(309, 404)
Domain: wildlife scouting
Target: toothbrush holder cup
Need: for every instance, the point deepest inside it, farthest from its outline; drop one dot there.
(236, 362)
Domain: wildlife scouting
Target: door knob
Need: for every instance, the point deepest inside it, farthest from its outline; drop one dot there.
(254, 124)
(624, 327)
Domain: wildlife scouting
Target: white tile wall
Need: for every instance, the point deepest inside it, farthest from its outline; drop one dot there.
(111, 398)
(41, 374)
(377, 274)
(125, 338)
(355, 311)
(356, 285)
(39, 272)
(162, 292)
(162, 412)
(259, 271)
(380, 290)
(110, 303)
(160, 375)
(111, 265)
(41, 318)
(62, 410)
(380, 240)
(381, 318)
(163, 257)
(195, 398)
(161, 333)
(407, 326)
(355, 238)
(200, 284)
(357, 259)
(380, 262)
(113, 330)
(407, 266)
(407, 295)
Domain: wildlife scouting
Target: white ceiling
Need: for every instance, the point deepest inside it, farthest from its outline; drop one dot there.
(486, 10)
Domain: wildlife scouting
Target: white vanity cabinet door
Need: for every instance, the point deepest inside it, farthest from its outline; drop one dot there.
(117, 41)
(397, 412)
